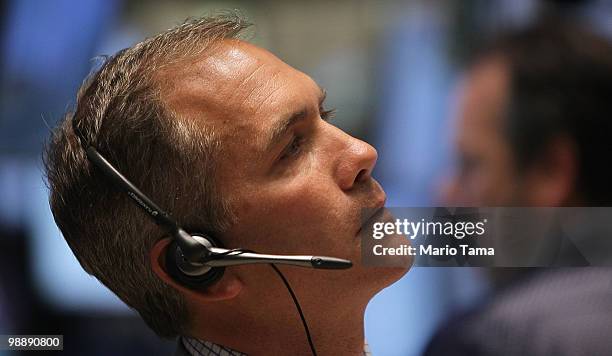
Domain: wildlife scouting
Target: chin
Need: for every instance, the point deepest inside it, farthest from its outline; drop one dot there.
(391, 274)
(377, 278)
(384, 270)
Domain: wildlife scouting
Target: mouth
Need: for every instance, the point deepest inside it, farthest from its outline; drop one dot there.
(374, 212)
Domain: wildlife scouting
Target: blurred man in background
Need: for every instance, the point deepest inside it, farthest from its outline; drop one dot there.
(535, 130)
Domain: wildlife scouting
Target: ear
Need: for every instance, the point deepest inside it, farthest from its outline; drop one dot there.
(228, 287)
(552, 178)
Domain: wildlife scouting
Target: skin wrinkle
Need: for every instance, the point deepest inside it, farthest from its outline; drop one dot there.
(270, 95)
(275, 132)
(248, 78)
(282, 126)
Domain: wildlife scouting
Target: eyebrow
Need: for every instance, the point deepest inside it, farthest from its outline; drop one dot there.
(280, 129)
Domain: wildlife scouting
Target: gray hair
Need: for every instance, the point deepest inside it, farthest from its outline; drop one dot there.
(172, 159)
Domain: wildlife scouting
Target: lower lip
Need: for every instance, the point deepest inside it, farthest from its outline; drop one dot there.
(382, 215)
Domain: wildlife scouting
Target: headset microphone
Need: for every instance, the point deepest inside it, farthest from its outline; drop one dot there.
(233, 259)
(199, 260)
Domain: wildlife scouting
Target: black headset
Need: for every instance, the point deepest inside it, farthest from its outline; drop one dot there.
(199, 260)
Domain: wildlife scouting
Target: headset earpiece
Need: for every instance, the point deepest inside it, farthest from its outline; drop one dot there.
(189, 274)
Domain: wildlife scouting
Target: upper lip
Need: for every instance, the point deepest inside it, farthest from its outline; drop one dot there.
(379, 204)
(380, 200)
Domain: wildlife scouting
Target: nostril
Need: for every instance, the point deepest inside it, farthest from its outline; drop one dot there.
(361, 175)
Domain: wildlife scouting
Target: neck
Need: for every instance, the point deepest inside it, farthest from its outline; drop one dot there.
(335, 330)
(346, 337)
(333, 333)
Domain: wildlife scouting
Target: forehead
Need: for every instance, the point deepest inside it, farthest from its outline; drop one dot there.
(483, 100)
(237, 88)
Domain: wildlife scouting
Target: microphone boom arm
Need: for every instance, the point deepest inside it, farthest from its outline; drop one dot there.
(240, 258)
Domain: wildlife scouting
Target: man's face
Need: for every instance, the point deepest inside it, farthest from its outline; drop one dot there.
(485, 174)
(296, 184)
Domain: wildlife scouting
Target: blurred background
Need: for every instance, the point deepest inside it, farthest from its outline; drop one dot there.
(390, 68)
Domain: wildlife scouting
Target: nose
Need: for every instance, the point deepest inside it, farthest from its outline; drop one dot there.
(355, 163)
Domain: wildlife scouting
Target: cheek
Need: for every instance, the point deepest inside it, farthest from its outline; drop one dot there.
(498, 181)
(303, 211)
(490, 182)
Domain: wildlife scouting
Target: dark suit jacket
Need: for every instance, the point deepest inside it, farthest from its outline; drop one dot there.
(180, 349)
(565, 311)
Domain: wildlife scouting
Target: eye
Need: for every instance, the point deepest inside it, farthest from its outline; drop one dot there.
(327, 115)
(293, 149)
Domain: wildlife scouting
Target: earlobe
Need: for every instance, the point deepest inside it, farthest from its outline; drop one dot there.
(228, 287)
